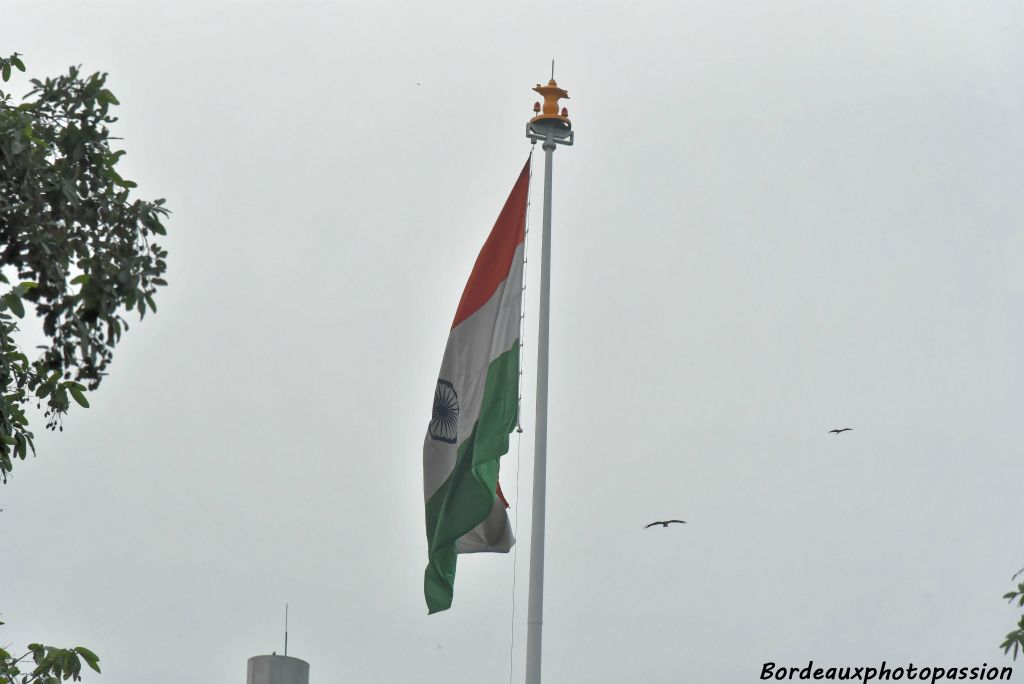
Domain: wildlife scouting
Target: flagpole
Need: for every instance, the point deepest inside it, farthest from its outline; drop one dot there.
(552, 128)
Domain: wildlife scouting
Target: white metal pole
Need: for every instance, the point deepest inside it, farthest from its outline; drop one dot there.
(553, 128)
(535, 616)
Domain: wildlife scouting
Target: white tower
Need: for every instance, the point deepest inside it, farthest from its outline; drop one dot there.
(277, 669)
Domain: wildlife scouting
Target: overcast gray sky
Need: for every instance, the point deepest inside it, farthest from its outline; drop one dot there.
(778, 218)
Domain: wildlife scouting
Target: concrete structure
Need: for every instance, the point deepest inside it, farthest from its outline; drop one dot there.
(276, 669)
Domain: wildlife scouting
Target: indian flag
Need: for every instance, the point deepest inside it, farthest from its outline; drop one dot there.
(476, 404)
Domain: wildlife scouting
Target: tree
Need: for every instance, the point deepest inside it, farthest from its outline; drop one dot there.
(79, 249)
(49, 665)
(74, 242)
(1015, 639)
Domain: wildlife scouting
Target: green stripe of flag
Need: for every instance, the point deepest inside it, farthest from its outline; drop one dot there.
(467, 496)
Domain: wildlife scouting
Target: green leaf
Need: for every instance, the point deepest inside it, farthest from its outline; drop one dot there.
(13, 302)
(108, 97)
(78, 396)
(24, 287)
(7, 72)
(18, 356)
(18, 63)
(80, 279)
(90, 658)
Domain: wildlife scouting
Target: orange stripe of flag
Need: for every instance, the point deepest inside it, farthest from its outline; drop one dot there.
(495, 260)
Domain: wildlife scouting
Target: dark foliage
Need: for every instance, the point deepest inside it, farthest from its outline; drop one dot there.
(75, 248)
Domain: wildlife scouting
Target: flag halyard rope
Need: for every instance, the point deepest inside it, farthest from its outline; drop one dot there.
(519, 425)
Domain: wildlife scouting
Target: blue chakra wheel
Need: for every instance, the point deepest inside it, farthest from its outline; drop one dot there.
(444, 419)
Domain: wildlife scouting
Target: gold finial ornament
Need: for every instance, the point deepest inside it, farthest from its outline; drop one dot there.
(551, 124)
(551, 94)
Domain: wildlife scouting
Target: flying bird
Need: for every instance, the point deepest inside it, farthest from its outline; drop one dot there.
(836, 432)
(664, 523)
